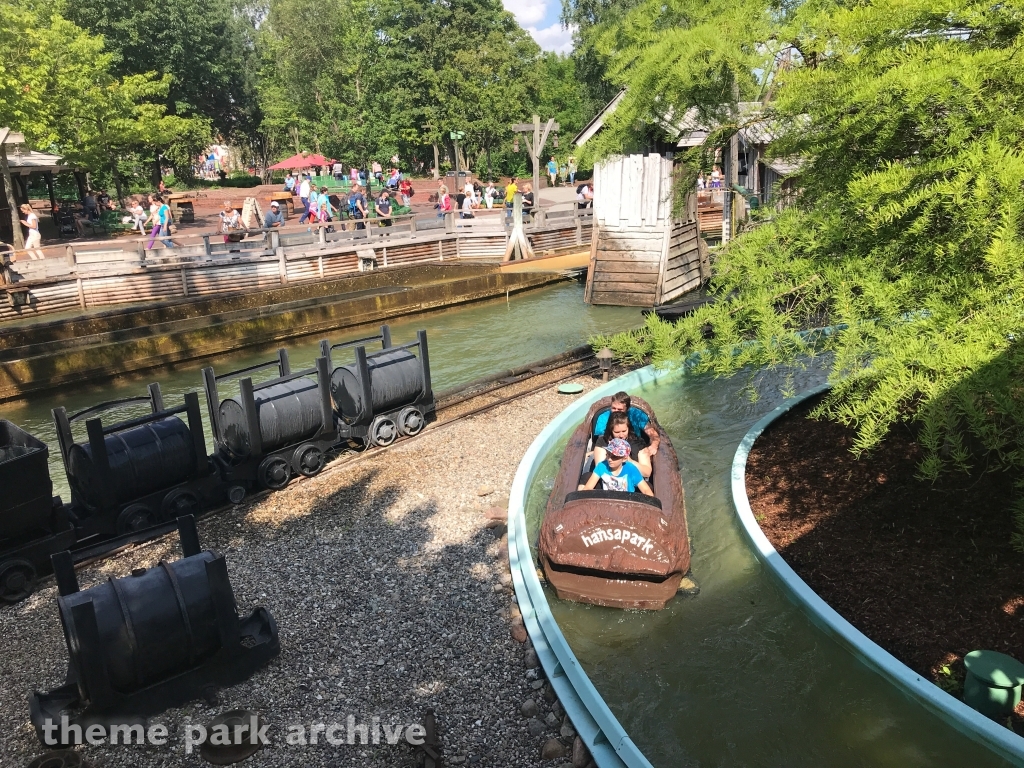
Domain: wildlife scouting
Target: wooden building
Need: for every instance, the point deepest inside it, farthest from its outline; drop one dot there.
(641, 255)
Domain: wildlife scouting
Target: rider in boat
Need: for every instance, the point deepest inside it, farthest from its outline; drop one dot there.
(638, 420)
(619, 427)
(617, 472)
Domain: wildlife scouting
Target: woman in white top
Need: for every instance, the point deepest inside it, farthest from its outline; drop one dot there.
(32, 239)
(230, 221)
(489, 194)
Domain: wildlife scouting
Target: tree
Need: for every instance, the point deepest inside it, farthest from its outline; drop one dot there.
(908, 237)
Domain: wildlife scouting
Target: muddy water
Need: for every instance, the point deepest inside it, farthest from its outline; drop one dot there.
(465, 343)
(739, 676)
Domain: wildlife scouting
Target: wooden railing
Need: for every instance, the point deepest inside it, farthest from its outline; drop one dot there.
(106, 273)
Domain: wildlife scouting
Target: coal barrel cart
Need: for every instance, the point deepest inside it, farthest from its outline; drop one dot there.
(271, 431)
(384, 394)
(137, 473)
(33, 523)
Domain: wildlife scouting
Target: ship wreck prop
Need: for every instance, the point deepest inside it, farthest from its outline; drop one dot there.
(622, 550)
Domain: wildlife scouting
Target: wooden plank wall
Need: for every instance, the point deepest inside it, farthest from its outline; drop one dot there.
(57, 286)
(626, 269)
(687, 265)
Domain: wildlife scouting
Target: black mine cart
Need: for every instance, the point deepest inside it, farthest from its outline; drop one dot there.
(134, 474)
(33, 523)
(273, 430)
(382, 394)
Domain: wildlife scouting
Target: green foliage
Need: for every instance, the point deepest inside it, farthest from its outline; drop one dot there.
(909, 233)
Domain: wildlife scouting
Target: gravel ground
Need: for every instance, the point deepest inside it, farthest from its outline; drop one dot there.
(391, 594)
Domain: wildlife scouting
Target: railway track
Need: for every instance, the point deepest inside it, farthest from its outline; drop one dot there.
(463, 402)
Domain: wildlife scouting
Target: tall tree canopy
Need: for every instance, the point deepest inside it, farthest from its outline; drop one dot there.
(908, 235)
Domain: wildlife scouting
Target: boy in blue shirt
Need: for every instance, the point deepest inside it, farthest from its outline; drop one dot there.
(616, 473)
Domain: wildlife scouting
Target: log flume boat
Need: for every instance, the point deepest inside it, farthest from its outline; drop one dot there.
(621, 550)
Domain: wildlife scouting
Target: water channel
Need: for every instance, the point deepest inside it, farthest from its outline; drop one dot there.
(465, 343)
(738, 676)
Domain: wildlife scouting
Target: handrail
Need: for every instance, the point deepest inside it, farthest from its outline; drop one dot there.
(604, 736)
(954, 712)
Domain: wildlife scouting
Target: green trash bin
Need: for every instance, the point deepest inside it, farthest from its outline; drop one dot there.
(993, 683)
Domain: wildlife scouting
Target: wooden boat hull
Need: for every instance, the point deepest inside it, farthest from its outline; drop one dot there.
(616, 549)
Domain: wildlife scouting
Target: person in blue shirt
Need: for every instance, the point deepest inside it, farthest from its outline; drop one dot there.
(617, 473)
(552, 170)
(638, 420)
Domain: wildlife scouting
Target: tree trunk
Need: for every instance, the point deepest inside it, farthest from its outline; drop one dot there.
(490, 176)
(437, 161)
(156, 174)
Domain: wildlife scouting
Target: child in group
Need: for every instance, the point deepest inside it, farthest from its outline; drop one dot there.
(617, 472)
(620, 427)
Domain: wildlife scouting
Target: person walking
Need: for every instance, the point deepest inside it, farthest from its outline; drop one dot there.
(510, 194)
(230, 221)
(571, 168)
(32, 237)
(405, 190)
(304, 188)
(444, 201)
(161, 218)
(357, 206)
(138, 217)
(552, 170)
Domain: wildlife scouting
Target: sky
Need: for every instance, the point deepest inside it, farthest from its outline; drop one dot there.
(540, 19)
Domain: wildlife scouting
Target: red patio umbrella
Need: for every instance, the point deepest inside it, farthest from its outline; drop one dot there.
(301, 161)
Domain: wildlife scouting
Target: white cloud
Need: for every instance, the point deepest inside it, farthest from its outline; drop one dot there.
(553, 38)
(527, 12)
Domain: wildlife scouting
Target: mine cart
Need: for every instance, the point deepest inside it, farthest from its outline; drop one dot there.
(382, 394)
(274, 430)
(154, 639)
(33, 523)
(138, 473)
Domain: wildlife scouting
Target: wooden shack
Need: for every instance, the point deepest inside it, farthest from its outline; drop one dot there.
(641, 255)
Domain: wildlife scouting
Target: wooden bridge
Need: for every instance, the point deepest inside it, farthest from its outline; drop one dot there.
(124, 271)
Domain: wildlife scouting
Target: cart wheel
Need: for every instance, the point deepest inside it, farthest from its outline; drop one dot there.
(308, 460)
(178, 503)
(136, 517)
(17, 580)
(274, 473)
(383, 431)
(411, 421)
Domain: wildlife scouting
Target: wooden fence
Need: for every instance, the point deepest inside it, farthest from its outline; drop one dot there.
(108, 273)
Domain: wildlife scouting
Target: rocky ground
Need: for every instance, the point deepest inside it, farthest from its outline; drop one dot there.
(388, 578)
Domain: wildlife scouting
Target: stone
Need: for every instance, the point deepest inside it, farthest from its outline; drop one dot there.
(533, 674)
(558, 709)
(567, 731)
(580, 754)
(458, 760)
(519, 630)
(496, 513)
(531, 660)
(549, 695)
(687, 586)
(529, 708)
(537, 685)
(485, 490)
(514, 611)
(551, 721)
(505, 578)
(552, 750)
(536, 727)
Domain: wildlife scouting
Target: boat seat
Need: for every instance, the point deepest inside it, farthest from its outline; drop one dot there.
(617, 495)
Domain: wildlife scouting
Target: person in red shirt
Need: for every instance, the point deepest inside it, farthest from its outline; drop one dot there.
(405, 190)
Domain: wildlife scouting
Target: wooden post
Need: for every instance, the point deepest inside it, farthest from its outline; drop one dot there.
(206, 246)
(449, 222)
(5, 171)
(53, 198)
